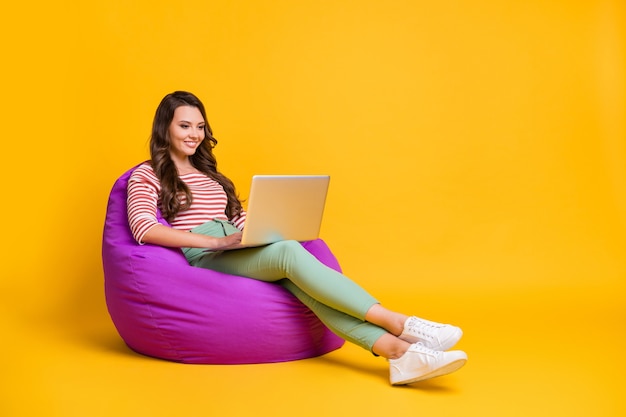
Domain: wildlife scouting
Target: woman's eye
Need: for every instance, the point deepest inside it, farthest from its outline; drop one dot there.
(184, 126)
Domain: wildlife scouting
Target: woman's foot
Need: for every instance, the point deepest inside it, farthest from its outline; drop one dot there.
(432, 335)
(420, 363)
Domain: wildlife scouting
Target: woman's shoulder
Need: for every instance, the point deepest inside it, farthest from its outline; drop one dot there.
(144, 169)
(144, 173)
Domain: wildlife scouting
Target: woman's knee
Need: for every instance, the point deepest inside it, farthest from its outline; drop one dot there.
(288, 246)
(290, 250)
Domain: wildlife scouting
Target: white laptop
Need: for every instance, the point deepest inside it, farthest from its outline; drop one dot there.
(284, 207)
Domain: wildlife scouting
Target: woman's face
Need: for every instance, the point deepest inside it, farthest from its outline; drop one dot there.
(186, 132)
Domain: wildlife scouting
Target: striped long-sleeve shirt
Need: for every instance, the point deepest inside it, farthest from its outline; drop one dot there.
(209, 202)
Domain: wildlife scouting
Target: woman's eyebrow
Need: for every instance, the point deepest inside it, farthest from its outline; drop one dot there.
(185, 121)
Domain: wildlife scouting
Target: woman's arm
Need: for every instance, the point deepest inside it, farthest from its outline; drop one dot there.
(167, 236)
(143, 192)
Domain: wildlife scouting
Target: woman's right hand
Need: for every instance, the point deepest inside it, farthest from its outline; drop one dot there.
(168, 236)
(228, 242)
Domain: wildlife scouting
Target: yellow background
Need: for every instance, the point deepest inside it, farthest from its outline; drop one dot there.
(477, 151)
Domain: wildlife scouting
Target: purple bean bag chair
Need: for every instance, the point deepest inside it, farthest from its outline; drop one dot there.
(165, 308)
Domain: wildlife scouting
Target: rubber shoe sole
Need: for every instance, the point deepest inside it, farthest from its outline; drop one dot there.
(444, 370)
(420, 362)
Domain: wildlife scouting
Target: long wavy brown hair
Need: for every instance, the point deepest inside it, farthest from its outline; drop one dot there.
(172, 188)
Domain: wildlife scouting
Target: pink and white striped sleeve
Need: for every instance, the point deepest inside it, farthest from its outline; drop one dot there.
(143, 195)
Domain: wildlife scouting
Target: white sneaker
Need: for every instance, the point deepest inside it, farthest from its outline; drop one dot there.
(433, 335)
(420, 363)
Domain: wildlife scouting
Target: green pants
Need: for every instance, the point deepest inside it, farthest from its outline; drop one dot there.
(335, 299)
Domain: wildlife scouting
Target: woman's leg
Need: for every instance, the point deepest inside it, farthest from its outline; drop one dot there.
(349, 328)
(344, 307)
(362, 333)
(407, 362)
(327, 292)
(288, 259)
(392, 321)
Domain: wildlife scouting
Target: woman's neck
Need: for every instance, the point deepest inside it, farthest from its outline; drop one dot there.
(184, 166)
(186, 169)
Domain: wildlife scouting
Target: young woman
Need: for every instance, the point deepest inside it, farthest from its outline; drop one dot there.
(206, 218)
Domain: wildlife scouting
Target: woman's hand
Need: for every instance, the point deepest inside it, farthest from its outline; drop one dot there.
(168, 236)
(228, 242)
